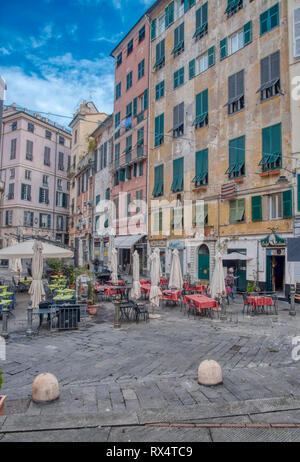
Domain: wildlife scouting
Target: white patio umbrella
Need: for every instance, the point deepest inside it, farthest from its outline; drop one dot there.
(25, 250)
(114, 266)
(157, 251)
(136, 288)
(36, 289)
(176, 280)
(111, 246)
(80, 253)
(155, 292)
(16, 265)
(217, 286)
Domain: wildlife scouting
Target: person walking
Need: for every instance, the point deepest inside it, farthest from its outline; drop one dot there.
(230, 283)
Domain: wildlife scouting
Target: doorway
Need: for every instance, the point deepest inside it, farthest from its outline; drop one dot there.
(275, 273)
(203, 262)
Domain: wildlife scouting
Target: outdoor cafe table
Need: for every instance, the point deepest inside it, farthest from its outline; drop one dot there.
(201, 302)
(6, 294)
(145, 289)
(4, 288)
(119, 283)
(144, 281)
(171, 295)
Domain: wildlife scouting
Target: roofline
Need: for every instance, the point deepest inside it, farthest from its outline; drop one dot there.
(149, 10)
(102, 123)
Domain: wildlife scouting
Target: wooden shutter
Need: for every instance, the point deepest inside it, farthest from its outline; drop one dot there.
(256, 208)
(175, 117)
(146, 99)
(248, 33)
(49, 221)
(192, 68)
(265, 71)
(287, 201)
(223, 48)
(135, 107)
(211, 56)
(275, 66)
(153, 29)
(296, 32)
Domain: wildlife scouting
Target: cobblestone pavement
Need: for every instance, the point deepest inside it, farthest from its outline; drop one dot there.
(152, 365)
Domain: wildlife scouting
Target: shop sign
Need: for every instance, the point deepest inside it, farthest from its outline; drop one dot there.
(157, 243)
(179, 245)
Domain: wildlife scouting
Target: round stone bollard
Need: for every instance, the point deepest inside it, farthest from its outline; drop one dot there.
(210, 373)
(45, 388)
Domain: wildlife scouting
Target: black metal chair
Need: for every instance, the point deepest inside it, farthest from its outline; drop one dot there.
(141, 311)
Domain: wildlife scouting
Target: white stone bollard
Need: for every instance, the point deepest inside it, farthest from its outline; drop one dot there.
(45, 388)
(210, 373)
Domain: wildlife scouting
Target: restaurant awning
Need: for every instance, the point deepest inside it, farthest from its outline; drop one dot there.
(127, 242)
(236, 256)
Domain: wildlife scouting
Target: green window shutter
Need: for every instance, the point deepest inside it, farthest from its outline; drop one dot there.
(158, 189)
(169, 15)
(211, 56)
(248, 33)
(298, 193)
(192, 68)
(97, 199)
(135, 107)
(287, 201)
(256, 208)
(22, 191)
(201, 167)
(223, 48)
(178, 173)
(153, 29)
(145, 99)
(186, 5)
(40, 196)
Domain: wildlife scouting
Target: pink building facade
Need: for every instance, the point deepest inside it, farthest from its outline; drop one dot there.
(129, 173)
(35, 156)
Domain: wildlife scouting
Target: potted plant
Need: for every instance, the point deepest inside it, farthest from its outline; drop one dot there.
(2, 397)
(91, 303)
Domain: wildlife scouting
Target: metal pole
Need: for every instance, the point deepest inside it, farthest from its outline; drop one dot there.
(5, 313)
(29, 330)
(292, 311)
(117, 323)
(223, 316)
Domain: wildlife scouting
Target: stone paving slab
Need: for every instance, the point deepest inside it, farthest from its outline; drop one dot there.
(82, 435)
(169, 435)
(255, 435)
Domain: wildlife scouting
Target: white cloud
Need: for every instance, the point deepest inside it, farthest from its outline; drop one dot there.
(62, 83)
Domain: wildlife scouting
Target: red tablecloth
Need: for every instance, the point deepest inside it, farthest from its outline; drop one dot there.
(200, 288)
(120, 283)
(145, 288)
(260, 300)
(163, 281)
(171, 295)
(144, 281)
(201, 301)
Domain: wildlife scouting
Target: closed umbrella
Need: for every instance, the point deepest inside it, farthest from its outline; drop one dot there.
(157, 251)
(176, 280)
(111, 246)
(80, 253)
(217, 286)
(136, 288)
(114, 266)
(16, 265)
(36, 290)
(155, 292)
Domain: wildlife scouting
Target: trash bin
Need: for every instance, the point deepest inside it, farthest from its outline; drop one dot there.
(68, 317)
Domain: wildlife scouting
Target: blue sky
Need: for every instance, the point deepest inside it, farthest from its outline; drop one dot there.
(55, 53)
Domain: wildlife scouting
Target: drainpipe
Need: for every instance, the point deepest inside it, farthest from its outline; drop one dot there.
(149, 134)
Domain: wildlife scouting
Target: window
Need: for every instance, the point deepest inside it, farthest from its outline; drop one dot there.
(28, 218)
(270, 76)
(117, 123)
(119, 59)
(140, 142)
(200, 215)
(47, 156)
(45, 221)
(59, 184)
(11, 191)
(61, 140)
(141, 69)
(178, 40)
(128, 116)
(233, 6)
(45, 180)
(104, 155)
(61, 199)
(271, 147)
(48, 134)
(129, 80)
(141, 169)
(13, 148)
(157, 221)
(29, 150)
(178, 170)
(158, 189)
(117, 155)
(169, 15)
(236, 158)
(44, 196)
(236, 101)
(111, 151)
(129, 47)
(296, 32)
(236, 42)
(159, 130)
(59, 222)
(12, 173)
(107, 194)
(8, 217)
(201, 22)
(275, 206)
(30, 127)
(142, 34)
(205, 61)
(269, 19)
(26, 192)
(98, 199)
(14, 126)
(160, 90)
(237, 211)
(153, 29)
(118, 91)
(60, 161)
(27, 175)
(128, 149)
(201, 177)
(201, 119)
(160, 55)
(161, 24)
(128, 201)
(178, 78)
(179, 8)
(178, 120)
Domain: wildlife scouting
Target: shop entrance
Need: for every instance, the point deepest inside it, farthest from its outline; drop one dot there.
(275, 273)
